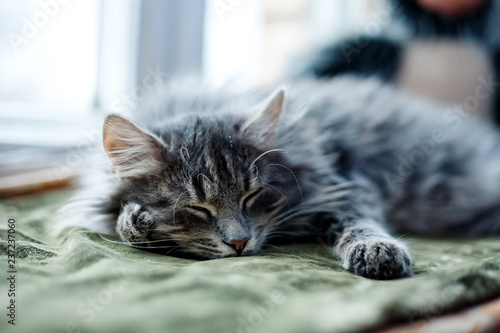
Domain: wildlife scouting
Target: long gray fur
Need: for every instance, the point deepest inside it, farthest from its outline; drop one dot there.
(349, 160)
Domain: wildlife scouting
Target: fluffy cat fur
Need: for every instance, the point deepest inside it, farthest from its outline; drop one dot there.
(216, 174)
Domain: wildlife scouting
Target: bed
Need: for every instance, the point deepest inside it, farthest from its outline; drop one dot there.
(82, 282)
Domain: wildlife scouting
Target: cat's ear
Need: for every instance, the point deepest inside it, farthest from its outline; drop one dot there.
(262, 128)
(131, 150)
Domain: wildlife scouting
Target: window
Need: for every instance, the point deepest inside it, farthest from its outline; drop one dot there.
(50, 53)
(66, 62)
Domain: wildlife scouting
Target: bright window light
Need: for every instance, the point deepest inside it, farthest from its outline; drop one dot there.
(49, 53)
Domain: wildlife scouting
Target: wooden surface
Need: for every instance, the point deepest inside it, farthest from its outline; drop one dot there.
(26, 170)
(484, 318)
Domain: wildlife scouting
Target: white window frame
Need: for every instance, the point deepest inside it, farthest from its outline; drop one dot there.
(131, 32)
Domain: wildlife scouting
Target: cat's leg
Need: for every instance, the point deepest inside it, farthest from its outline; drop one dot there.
(134, 223)
(366, 249)
(362, 243)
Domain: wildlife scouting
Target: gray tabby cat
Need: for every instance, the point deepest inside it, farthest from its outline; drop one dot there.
(209, 174)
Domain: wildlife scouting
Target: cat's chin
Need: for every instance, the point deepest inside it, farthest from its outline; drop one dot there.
(195, 254)
(229, 254)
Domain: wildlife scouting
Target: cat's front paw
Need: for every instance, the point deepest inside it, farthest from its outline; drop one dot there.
(134, 223)
(381, 259)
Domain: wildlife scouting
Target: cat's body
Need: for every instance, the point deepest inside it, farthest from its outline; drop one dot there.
(342, 159)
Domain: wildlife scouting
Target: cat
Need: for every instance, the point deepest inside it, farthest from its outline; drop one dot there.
(217, 174)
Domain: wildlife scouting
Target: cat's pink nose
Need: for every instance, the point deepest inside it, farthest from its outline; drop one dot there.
(239, 245)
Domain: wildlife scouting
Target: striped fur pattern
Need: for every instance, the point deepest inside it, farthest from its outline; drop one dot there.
(219, 173)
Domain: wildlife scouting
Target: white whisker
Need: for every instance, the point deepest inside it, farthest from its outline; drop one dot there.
(267, 152)
(182, 150)
(294, 177)
(208, 179)
(175, 205)
(133, 244)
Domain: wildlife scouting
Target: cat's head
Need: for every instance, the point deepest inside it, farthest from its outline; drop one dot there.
(213, 186)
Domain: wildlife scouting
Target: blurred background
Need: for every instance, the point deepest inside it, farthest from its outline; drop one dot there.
(64, 63)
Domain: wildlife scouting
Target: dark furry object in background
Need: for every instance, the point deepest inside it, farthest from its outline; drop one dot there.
(363, 56)
(383, 57)
(431, 25)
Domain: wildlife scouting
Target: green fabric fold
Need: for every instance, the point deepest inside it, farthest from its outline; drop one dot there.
(80, 282)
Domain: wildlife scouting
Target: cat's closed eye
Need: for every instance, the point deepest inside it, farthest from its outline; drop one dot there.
(249, 199)
(202, 212)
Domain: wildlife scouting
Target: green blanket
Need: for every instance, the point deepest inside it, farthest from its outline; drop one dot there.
(83, 283)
